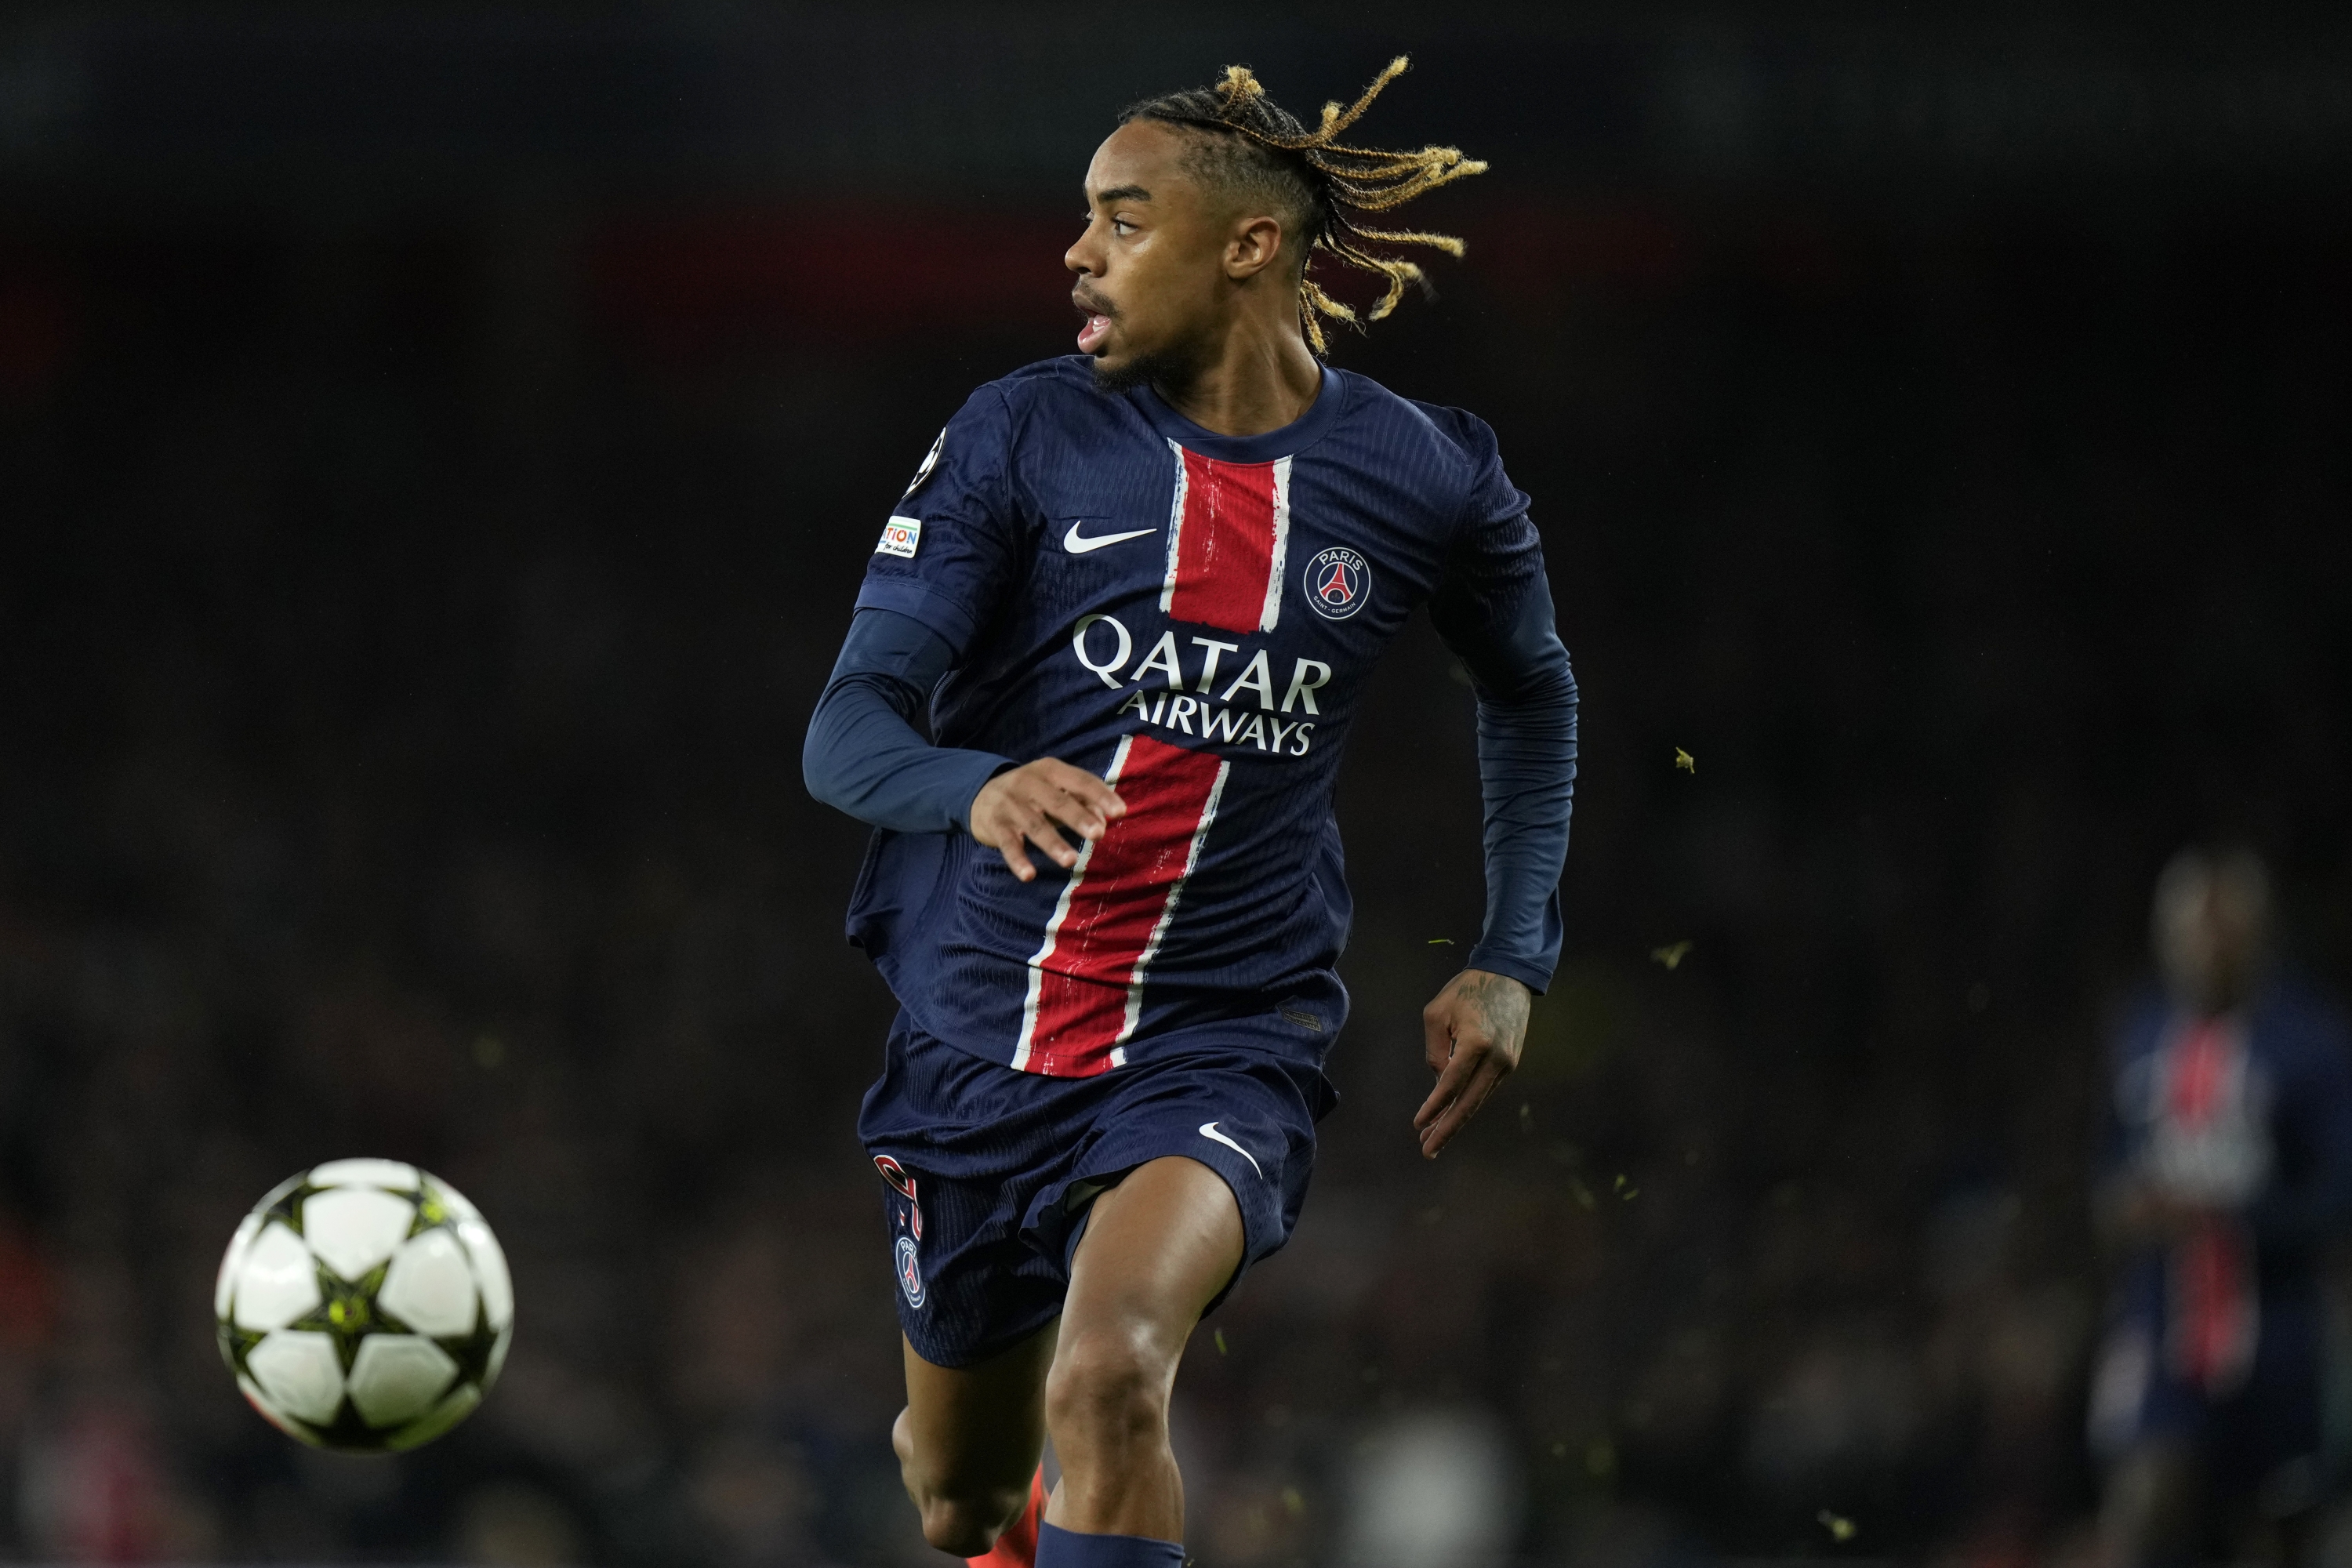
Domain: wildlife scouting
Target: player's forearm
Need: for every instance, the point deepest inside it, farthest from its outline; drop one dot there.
(1527, 755)
(863, 756)
(1527, 775)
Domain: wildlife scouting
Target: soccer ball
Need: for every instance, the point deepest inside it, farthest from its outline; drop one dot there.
(364, 1305)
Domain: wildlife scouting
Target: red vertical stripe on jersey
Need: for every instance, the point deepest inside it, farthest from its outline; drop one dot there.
(1226, 544)
(2199, 1062)
(2216, 1308)
(1087, 978)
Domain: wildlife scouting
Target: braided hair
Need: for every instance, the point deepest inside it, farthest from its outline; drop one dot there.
(1325, 188)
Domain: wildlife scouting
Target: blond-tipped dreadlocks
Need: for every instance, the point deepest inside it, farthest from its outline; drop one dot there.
(1325, 183)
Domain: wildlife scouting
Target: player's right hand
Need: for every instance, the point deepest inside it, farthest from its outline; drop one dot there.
(1033, 804)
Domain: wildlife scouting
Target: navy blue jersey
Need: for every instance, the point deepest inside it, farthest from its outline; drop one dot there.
(1192, 617)
(2215, 1334)
(2249, 1113)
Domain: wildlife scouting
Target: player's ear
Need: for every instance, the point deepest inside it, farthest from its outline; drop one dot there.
(1255, 244)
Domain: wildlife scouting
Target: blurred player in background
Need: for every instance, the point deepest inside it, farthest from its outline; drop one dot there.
(2228, 1175)
(1140, 588)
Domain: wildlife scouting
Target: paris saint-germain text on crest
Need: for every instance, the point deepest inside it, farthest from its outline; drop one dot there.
(1337, 583)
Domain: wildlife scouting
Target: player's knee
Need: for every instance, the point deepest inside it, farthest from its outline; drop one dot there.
(1107, 1384)
(949, 1526)
(966, 1524)
(960, 1515)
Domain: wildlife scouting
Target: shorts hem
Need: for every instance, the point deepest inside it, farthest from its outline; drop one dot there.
(988, 1350)
(1254, 1228)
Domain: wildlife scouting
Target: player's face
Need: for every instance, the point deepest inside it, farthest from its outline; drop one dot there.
(2209, 940)
(1151, 286)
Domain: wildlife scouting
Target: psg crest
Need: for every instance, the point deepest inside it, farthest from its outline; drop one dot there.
(910, 1273)
(1337, 582)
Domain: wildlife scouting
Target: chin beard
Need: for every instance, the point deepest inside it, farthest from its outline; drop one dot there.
(1115, 379)
(1164, 370)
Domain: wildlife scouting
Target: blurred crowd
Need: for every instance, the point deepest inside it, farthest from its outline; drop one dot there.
(406, 635)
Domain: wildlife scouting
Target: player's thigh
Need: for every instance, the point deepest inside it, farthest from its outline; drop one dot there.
(977, 1427)
(1157, 1248)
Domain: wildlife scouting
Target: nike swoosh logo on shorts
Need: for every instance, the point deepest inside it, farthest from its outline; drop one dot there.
(1208, 1129)
(1078, 543)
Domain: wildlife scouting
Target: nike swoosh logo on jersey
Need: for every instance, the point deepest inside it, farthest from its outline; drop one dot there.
(1078, 543)
(1209, 1129)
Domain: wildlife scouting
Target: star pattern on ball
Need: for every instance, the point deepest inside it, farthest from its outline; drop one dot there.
(364, 1305)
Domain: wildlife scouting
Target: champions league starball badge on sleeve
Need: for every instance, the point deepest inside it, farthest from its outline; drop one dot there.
(930, 460)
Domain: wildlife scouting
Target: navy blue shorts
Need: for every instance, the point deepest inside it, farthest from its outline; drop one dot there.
(2243, 1437)
(990, 1172)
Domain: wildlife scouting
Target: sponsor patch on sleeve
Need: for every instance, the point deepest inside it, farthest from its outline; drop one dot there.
(899, 537)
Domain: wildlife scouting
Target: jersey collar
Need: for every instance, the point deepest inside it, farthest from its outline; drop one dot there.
(1296, 437)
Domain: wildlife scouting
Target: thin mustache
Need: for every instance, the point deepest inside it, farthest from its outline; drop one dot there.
(1092, 306)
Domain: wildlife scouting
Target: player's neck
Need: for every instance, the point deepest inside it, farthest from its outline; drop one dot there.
(1256, 380)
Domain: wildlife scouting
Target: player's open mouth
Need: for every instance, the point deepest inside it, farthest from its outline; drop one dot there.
(1091, 335)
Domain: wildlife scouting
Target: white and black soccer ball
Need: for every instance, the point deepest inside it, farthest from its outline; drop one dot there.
(364, 1305)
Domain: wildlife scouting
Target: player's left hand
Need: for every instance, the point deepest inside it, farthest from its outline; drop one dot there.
(1472, 1031)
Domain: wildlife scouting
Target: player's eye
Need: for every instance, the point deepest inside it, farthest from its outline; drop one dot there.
(1122, 225)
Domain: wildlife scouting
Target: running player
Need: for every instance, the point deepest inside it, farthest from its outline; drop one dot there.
(1141, 588)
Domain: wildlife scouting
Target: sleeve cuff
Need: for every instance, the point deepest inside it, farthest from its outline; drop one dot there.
(985, 765)
(1535, 976)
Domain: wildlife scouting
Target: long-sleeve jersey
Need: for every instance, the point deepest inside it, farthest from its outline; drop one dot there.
(1091, 577)
(2246, 1116)
(2248, 1113)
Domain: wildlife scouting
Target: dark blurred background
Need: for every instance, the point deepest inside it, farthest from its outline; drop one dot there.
(439, 447)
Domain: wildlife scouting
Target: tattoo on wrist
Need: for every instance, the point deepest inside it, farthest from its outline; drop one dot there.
(1496, 996)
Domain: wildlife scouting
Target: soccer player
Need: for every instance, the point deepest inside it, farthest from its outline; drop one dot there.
(2229, 1180)
(1141, 588)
